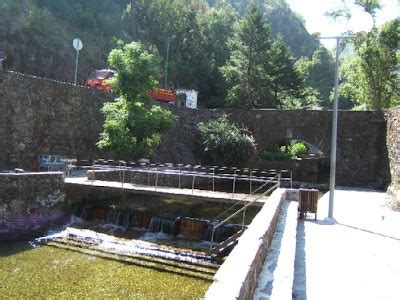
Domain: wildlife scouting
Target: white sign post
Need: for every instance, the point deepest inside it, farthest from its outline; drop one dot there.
(77, 43)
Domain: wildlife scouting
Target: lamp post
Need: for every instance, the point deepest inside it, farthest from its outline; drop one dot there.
(166, 60)
(332, 176)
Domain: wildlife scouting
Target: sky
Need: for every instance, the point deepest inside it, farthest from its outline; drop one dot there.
(313, 12)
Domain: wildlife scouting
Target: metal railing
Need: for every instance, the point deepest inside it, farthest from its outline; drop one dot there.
(276, 180)
(214, 173)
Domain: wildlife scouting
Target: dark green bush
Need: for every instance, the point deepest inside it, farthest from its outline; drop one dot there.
(226, 143)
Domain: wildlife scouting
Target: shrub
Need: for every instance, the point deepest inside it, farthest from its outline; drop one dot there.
(298, 149)
(285, 153)
(226, 143)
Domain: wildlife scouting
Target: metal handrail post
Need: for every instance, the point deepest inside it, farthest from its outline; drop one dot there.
(213, 179)
(92, 172)
(244, 216)
(155, 188)
(123, 173)
(212, 236)
(179, 176)
(251, 185)
(148, 173)
(279, 180)
(291, 179)
(234, 184)
(194, 177)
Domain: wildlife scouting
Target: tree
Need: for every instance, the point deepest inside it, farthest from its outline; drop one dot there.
(285, 80)
(133, 126)
(371, 77)
(218, 28)
(318, 74)
(246, 72)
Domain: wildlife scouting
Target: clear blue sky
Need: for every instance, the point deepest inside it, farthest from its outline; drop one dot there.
(313, 12)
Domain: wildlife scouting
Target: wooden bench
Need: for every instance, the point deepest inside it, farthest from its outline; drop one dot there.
(308, 202)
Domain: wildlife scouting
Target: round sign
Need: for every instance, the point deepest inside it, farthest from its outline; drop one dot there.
(3, 56)
(77, 43)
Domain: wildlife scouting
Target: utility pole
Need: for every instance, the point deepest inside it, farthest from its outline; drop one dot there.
(332, 176)
(166, 61)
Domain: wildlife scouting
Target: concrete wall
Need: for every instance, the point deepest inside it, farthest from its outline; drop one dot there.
(237, 277)
(393, 146)
(30, 203)
(39, 116)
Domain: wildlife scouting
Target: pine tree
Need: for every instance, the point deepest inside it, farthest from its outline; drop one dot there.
(246, 72)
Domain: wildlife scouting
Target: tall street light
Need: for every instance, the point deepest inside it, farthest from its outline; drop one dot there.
(332, 176)
(166, 60)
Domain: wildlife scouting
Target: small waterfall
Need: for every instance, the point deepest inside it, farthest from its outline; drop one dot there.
(119, 218)
(141, 219)
(165, 225)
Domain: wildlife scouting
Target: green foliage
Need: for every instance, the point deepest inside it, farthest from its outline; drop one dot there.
(136, 71)
(226, 143)
(201, 30)
(286, 83)
(275, 154)
(281, 153)
(370, 77)
(298, 149)
(246, 72)
(133, 127)
(318, 74)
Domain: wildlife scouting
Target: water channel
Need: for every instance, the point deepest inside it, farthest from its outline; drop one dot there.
(83, 264)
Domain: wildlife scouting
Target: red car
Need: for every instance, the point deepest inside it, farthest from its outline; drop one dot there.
(97, 79)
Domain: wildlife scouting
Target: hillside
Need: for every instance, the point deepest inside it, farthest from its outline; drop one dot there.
(37, 36)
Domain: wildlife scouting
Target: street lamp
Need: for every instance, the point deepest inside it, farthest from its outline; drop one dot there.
(332, 176)
(166, 60)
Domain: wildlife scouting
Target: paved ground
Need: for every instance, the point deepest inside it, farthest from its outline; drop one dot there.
(356, 258)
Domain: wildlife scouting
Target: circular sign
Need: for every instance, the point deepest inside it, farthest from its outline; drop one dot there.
(77, 43)
(3, 56)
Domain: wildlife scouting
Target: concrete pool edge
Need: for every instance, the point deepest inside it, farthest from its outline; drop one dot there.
(237, 277)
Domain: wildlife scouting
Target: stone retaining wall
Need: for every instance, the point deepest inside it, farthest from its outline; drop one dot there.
(237, 277)
(393, 146)
(30, 203)
(40, 116)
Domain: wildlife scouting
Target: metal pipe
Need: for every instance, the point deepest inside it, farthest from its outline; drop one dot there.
(234, 185)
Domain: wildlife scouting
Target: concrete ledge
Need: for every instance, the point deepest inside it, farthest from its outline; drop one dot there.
(284, 272)
(237, 277)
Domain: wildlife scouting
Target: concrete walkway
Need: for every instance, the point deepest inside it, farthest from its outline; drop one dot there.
(356, 258)
(183, 193)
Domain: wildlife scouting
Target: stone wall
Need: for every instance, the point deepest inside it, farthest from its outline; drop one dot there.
(393, 146)
(361, 153)
(39, 116)
(30, 203)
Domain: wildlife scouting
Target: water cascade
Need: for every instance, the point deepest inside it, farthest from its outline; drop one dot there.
(123, 220)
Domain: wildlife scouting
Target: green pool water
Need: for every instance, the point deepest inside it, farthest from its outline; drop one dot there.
(47, 272)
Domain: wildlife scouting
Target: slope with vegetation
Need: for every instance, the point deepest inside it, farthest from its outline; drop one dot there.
(203, 38)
